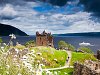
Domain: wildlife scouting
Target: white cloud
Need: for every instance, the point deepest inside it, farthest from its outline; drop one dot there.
(8, 12)
(29, 20)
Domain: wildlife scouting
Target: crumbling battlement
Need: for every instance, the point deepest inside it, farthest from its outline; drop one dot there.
(44, 39)
(89, 68)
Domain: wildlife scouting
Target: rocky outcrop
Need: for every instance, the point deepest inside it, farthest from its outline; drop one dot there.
(5, 30)
(89, 68)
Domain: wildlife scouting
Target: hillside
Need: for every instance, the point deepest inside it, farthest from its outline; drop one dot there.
(5, 30)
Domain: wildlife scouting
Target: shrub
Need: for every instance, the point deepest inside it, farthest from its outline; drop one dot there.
(1, 40)
(66, 46)
(30, 43)
(20, 47)
(85, 49)
(62, 45)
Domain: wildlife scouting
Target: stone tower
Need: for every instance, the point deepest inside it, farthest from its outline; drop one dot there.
(44, 39)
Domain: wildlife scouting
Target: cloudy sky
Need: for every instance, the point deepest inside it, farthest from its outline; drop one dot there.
(37, 16)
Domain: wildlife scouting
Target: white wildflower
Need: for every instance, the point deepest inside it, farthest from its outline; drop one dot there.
(39, 53)
(25, 57)
(7, 72)
(19, 74)
(2, 47)
(33, 51)
(12, 36)
(55, 72)
(55, 59)
(7, 66)
(65, 73)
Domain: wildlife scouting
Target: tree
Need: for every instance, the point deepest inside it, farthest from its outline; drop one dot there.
(85, 49)
(71, 47)
(30, 43)
(62, 45)
(66, 46)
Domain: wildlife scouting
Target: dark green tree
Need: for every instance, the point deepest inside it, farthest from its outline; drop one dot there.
(71, 47)
(85, 49)
(30, 43)
(62, 45)
(66, 46)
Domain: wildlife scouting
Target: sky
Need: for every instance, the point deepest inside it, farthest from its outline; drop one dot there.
(31, 16)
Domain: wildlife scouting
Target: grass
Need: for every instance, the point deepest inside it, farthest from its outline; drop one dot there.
(48, 56)
(53, 57)
(66, 71)
(81, 57)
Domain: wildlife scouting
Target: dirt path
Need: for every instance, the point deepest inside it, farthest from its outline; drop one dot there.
(69, 58)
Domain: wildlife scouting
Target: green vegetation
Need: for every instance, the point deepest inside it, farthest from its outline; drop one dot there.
(30, 44)
(20, 47)
(52, 57)
(81, 57)
(85, 49)
(66, 46)
(66, 71)
(30, 60)
(1, 40)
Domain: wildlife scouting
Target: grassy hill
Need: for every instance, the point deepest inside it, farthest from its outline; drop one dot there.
(50, 56)
(81, 57)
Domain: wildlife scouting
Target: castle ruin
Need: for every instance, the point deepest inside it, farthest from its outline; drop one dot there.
(44, 39)
(88, 68)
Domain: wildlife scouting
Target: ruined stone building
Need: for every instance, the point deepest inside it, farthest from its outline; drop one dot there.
(88, 68)
(44, 39)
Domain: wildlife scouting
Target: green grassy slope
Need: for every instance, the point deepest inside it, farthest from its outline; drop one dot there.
(81, 57)
(53, 57)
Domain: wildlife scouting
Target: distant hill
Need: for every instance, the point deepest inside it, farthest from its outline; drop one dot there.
(5, 30)
(92, 34)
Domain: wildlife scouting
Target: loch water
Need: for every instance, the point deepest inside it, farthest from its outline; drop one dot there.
(74, 40)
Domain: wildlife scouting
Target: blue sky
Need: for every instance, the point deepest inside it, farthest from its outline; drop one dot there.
(37, 16)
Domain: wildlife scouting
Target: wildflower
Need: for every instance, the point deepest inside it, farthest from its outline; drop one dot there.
(7, 72)
(55, 72)
(2, 47)
(55, 59)
(39, 53)
(25, 57)
(33, 51)
(12, 36)
(19, 74)
(4, 44)
(7, 66)
(48, 72)
(65, 73)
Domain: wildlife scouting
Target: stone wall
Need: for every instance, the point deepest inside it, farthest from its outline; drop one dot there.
(89, 68)
(44, 39)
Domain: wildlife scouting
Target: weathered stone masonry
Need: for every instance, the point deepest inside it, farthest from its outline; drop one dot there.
(44, 39)
(89, 68)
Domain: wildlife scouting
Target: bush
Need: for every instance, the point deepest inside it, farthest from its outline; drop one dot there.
(66, 46)
(62, 45)
(1, 40)
(20, 47)
(71, 47)
(85, 49)
(30, 43)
